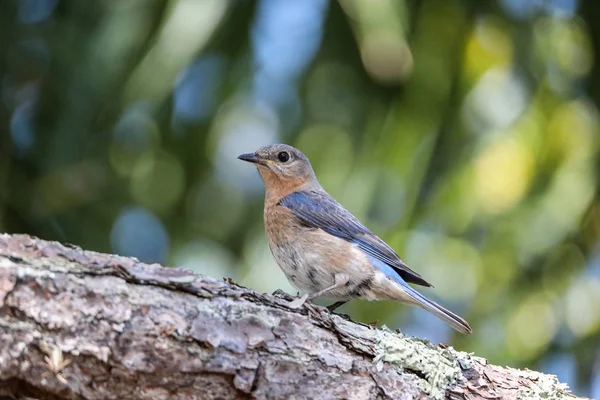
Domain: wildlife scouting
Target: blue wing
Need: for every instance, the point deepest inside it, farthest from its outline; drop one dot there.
(319, 210)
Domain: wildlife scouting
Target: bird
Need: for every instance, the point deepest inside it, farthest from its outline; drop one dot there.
(322, 248)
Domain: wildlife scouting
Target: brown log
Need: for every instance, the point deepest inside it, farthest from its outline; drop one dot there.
(77, 324)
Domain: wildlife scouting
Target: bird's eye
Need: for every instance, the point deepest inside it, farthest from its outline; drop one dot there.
(283, 156)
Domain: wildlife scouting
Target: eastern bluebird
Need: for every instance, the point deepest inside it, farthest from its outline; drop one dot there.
(322, 248)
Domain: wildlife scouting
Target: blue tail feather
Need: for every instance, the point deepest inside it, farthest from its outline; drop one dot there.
(447, 316)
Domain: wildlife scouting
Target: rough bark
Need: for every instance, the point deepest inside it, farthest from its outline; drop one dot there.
(129, 330)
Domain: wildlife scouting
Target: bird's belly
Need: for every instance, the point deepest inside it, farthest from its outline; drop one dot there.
(312, 259)
(300, 271)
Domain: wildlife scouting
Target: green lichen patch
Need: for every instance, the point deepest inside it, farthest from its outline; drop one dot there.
(541, 386)
(436, 368)
(439, 367)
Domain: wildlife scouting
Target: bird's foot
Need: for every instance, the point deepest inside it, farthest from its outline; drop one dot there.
(298, 302)
(280, 293)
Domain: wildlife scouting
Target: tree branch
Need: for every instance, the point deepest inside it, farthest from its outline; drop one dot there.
(83, 325)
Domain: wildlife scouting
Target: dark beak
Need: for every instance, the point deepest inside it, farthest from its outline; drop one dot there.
(250, 157)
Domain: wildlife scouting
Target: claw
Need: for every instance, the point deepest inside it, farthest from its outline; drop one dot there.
(279, 293)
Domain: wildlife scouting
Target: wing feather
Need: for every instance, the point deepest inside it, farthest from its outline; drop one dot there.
(319, 210)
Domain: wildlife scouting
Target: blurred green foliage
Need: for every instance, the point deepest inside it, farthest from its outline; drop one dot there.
(465, 133)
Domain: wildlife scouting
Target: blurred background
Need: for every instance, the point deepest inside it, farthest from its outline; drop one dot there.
(465, 133)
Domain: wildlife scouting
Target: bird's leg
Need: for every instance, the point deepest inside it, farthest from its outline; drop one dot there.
(340, 279)
(337, 304)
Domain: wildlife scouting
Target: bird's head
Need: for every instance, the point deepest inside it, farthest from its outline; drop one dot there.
(282, 167)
